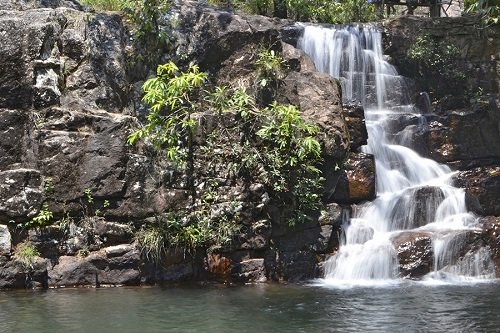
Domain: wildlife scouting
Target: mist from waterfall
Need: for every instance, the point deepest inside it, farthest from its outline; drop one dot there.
(414, 194)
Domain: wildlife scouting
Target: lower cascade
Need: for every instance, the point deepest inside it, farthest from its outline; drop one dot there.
(416, 202)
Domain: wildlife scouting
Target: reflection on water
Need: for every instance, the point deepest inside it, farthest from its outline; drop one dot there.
(407, 307)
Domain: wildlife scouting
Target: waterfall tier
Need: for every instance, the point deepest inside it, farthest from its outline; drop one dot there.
(414, 194)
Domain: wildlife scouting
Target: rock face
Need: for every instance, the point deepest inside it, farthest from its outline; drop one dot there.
(67, 105)
(482, 185)
(462, 126)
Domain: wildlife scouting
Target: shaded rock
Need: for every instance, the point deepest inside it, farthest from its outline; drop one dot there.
(482, 186)
(257, 237)
(464, 139)
(112, 232)
(491, 226)
(20, 194)
(177, 265)
(14, 126)
(356, 180)
(252, 270)
(5, 240)
(298, 266)
(49, 240)
(478, 52)
(355, 119)
(15, 274)
(415, 253)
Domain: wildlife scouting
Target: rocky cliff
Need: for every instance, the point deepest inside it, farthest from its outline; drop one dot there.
(69, 98)
(68, 101)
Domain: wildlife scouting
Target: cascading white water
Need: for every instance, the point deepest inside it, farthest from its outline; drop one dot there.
(413, 193)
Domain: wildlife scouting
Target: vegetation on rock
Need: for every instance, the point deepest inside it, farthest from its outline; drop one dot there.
(273, 146)
(26, 254)
(489, 10)
(436, 59)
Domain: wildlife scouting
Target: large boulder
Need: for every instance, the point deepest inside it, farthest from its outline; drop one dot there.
(356, 180)
(115, 265)
(415, 253)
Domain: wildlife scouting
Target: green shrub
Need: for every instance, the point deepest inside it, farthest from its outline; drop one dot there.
(42, 218)
(277, 147)
(26, 253)
(488, 10)
(171, 96)
(436, 61)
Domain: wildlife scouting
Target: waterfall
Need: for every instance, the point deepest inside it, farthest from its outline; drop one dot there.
(414, 194)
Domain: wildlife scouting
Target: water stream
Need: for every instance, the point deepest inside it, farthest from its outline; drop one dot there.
(415, 197)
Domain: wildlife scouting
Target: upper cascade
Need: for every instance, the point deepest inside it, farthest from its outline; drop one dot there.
(414, 194)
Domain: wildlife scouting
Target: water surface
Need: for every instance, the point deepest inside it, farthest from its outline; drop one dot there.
(407, 307)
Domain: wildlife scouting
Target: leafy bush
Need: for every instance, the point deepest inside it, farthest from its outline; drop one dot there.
(197, 228)
(436, 60)
(271, 66)
(171, 96)
(151, 33)
(291, 155)
(489, 10)
(42, 218)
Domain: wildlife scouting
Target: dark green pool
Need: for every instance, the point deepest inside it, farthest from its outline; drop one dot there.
(257, 308)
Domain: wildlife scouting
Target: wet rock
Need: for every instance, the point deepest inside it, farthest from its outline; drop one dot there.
(465, 139)
(416, 207)
(415, 254)
(355, 119)
(5, 240)
(482, 186)
(356, 180)
(298, 266)
(491, 226)
(333, 215)
(20, 194)
(252, 270)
